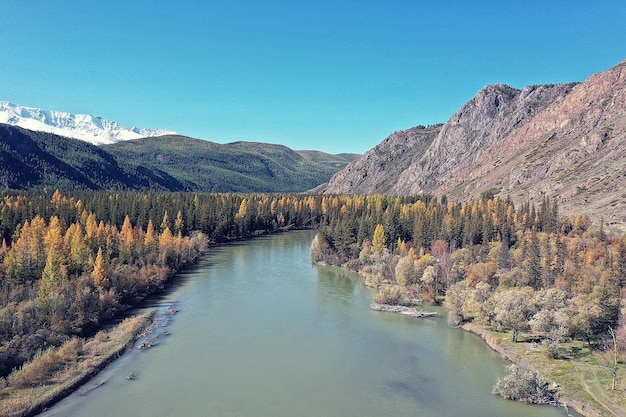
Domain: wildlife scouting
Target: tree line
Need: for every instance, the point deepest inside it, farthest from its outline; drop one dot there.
(69, 262)
(511, 268)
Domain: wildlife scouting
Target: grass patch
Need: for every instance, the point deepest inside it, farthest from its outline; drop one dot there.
(581, 374)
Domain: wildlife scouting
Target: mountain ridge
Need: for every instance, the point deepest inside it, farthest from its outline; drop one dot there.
(92, 129)
(34, 160)
(563, 141)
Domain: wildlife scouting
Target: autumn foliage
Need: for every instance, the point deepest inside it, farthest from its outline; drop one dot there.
(511, 268)
(61, 279)
(69, 262)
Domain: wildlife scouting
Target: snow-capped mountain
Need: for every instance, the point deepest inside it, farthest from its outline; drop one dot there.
(89, 128)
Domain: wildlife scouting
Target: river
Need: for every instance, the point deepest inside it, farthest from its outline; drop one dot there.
(262, 332)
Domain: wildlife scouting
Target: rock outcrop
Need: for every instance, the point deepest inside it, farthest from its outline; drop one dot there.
(564, 141)
(379, 167)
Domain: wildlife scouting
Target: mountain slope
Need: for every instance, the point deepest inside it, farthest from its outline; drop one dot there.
(40, 160)
(574, 151)
(238, 166)
(485, 120)
(92, 129)
(564, 141)
(380, 167)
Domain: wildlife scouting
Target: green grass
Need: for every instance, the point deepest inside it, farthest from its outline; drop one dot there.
(582, 375)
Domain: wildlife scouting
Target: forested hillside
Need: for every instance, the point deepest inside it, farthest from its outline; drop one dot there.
(32, 160)
(39, 160)
(234, 167)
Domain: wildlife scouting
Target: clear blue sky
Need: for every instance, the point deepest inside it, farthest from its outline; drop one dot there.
(336, 76)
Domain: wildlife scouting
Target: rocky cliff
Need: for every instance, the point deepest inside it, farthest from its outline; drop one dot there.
(378, 169)
(565, 141)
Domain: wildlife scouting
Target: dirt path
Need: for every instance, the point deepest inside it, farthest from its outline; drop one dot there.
(589, 380)
(595, 391)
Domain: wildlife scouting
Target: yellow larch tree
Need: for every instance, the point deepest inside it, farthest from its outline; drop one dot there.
(78, 253)
(100, 273)
(179, 223)
(379, 241)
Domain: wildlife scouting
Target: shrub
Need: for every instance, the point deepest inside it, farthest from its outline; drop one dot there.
(71, 350)
(524, 385)
(389, 294)
(39, 369)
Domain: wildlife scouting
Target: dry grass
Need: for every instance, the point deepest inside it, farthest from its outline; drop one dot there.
(56, 372)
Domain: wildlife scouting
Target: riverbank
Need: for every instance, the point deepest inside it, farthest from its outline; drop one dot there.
(579, 381)
(583, 382)
(57, 372)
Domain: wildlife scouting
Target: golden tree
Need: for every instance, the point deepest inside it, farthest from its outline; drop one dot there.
(379, 241)
(100, 273)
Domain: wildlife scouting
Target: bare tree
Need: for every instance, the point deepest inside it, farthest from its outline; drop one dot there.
(614, 352)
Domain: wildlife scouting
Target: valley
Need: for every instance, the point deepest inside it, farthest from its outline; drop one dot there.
(511, 215)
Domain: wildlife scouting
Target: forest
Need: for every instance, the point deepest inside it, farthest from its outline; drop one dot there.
(70, 262)
(512, 268)
(524, 270)
(33, 160)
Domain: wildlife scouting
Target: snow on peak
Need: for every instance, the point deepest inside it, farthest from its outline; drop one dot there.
(86, 127)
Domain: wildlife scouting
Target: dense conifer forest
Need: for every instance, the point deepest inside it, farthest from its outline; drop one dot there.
(31, 160)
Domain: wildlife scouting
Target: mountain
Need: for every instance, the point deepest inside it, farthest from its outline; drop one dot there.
(39, 160)
(238, 166)
(92, 129)
(378, 168)
(564, 141)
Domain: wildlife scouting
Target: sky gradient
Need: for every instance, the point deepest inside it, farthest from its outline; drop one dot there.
(336, 76)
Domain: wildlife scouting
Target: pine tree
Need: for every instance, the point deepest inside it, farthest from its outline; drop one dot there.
(77, 249)
(167, 254)
(52, 276)
(53, 239)
(149, 241)
(165, 224)
(532, 261)
(179, 223)
(128, 243)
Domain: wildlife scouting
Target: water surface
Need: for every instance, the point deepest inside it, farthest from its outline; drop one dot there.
(262, 332)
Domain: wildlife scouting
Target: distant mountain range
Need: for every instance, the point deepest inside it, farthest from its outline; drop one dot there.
(565, 141)
(33, 160)
(92, 129)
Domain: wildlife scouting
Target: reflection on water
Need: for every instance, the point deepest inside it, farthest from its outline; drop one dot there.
(261, 332)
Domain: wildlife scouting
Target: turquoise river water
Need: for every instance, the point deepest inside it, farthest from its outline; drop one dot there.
(262, 332)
